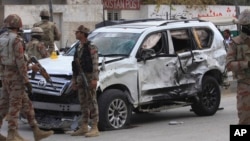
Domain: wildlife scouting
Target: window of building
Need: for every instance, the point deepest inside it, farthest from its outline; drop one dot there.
(114, 15)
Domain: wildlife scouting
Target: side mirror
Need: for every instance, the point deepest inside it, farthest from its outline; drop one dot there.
(146, 54)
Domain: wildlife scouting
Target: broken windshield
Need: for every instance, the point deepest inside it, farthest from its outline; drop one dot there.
(113, 43)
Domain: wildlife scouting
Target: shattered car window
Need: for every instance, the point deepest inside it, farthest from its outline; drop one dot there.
(203, 37)
(181, 40)
(151, 41)
(115, 43)
(111, 43)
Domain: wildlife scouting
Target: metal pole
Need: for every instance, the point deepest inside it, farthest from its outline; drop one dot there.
(103, 14)
(51, 10)
(170, 7)
(237, 9)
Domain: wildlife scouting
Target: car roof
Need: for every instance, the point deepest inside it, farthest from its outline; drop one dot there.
(139, 27)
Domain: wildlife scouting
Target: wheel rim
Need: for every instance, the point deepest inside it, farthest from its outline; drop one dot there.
(209, 95)
(117, 113)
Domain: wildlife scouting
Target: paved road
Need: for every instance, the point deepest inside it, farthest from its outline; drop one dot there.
(155, 126)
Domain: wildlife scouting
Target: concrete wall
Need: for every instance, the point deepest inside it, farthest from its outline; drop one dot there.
(90, 12)
(178, 11)
(17, 2)
(84, 1)
(72, 17)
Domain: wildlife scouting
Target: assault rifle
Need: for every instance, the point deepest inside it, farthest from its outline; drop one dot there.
(42, 71)
(77, 70)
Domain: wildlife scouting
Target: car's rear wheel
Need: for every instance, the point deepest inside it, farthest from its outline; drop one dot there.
(114, 110)
(209, 99)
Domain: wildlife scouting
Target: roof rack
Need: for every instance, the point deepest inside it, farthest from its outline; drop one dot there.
(181, 20)
(123, 21)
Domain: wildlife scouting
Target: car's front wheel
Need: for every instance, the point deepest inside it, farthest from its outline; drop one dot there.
(209, 99)
(114, 110)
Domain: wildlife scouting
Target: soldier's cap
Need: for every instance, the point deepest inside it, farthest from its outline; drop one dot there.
(244, 18)
(82, 29)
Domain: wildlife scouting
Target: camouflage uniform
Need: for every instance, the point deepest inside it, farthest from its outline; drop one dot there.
(87, 55)
(51, 32)
(238, 62)
(35, 47)
(14, 76)
(13, 66)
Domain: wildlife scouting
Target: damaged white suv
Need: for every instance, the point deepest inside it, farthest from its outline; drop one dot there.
(144, 67)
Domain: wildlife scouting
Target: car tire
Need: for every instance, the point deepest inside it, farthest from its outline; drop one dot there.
(114, 110)
(209, 99)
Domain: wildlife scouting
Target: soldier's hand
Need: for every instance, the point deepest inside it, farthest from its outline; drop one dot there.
(28, 87)
(74, 86)
(93, 83)
(35, 68)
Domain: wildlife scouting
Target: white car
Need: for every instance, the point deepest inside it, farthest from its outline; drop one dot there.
(144, 67)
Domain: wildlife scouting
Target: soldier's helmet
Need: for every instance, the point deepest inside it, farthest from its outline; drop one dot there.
(13, 21)
(244, 17)
(82, 29)
(44, 13)
(36, 31)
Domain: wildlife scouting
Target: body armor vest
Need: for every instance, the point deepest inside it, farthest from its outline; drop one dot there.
(6, 48)
(85, 58)
(48, 36)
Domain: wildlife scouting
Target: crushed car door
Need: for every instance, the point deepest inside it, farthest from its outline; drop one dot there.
(153, 73)
(188, 45)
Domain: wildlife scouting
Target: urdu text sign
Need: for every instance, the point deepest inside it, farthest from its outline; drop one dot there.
(121, 4)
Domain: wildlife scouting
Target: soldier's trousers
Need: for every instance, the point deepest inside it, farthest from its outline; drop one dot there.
(243, 103)
(13, 100)
(89, 107)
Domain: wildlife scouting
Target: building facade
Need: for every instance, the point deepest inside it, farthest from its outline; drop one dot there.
(69, 14)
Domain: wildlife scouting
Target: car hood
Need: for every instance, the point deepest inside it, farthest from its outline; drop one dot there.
(62, 64)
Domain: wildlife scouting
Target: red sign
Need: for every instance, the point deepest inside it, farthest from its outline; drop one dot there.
(121, 4)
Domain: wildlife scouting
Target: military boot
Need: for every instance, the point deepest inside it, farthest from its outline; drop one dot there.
(81, 131)
(2, 137)
(40, 134)
(93, 132)
(13, 135)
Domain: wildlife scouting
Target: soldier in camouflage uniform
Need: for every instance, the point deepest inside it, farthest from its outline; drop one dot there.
(51, 32)
(238, 61)
(86, 62)
(35, 47)
(13, 68)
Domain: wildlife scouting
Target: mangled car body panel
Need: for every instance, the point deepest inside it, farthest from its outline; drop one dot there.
(146, 66)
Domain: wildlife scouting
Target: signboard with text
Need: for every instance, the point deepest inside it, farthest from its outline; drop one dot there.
(121, 4)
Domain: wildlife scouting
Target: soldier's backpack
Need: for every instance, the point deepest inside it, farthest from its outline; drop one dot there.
(6, 48)
(48, 30)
